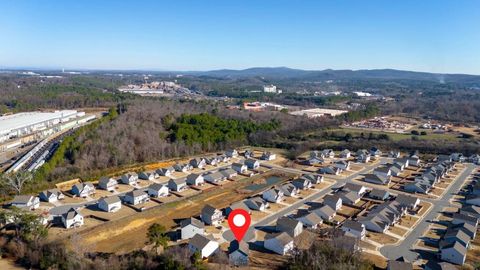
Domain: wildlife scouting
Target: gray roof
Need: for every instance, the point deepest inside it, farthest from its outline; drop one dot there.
(135, 193)
(105, 180)
(283, 237)
(110, 199)
(156, 186)
(70, 214)
(312, 218)
(379, 193)
(208, 210)
(199, 241)
(457, 246)
(241, 247)
(178, 181)
(288, 222)
(354, 225)
(352, 187)
(397, 265)
(193, 221)
(382, 169)
(406, 200)
(22, 199)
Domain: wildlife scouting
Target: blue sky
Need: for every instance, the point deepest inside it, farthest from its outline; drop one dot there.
(429, 35)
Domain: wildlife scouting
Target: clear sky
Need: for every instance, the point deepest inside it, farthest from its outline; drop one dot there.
(425, 35)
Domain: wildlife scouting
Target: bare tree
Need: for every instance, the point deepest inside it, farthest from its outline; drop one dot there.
(16, 181)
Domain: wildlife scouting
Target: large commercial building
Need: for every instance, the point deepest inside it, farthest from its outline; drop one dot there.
(318, 112)
(24, 124)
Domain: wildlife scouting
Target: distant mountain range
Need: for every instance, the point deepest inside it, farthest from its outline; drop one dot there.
(329, 74)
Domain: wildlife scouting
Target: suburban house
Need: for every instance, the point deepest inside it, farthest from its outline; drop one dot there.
(195, 179)
(349, 197)
(314, 178)
(229, 173)
(314, 161)
(470, 210)
(248, 153)
(165, 171)
(379, 194)
(453, 252)
(472, 199)
(280, 243)
(135, 197)
(147, 176)
(223, 158)
(51, 195)
(190, 227)
(211, 216)
(204, 245)
(382, 216)
(72, 218)
(459, 218)
(398, 165)
(408, 201)
(129, 178)
(376, 179)
(289, 225)
(359, 189)
(83, 189)
(302, 183)
(213, 161)
(289, 189)
(414, 161)
(257, 203)
(363, 158)
(182, 167)
(345, 153)
(399, 265)
(330, 170)
(239, 167)
(198, 163)
(178, 184)
(310, 220)
(354, 228)
(375, 152)
(214, 177)
(328, 153)
(374, 223)
(268, 156)
(395, 171)
(157, 190)
(343, 165)
(333, 201)
(238, 253)
(238, 205)
(107, 183)
(26, 202)
(403, 161)
(273, 195)
(326, 212)
(252, 164)
(458, 157)
(109, 204)
(393, 154)
(383, 172)
(475, 159)
(232, 153)
(422, 187)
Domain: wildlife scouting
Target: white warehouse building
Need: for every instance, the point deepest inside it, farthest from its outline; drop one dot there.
(22, 124)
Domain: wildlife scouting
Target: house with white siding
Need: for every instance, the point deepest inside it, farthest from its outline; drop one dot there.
(273, 195)
(239, 167)
(252, 164)
(109, 204)
(268, 156)
(129, 178)
(289, 225)
(178, 185)
(107, 183)
(211, 215)
(158, 190)
(83, 189)
(354, 228)
(257, 203)
(190, 227)
(72, 219)
(280, 243)
(195, 179)
(136, 197)
(51, 195)
(26, 202)
(204, 245)
(238, 253)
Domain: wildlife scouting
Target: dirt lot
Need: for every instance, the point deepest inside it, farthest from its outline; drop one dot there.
(381, 238)
(397, 230)
(408, 221)
(128, 233)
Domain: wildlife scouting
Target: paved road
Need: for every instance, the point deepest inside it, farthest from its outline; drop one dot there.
(405, 247)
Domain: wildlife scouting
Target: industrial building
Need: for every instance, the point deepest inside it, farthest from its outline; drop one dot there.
(20, 127)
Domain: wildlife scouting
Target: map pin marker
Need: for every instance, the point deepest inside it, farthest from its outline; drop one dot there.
(239, 222)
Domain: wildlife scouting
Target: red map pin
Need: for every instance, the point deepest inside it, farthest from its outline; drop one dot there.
(239, 222)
